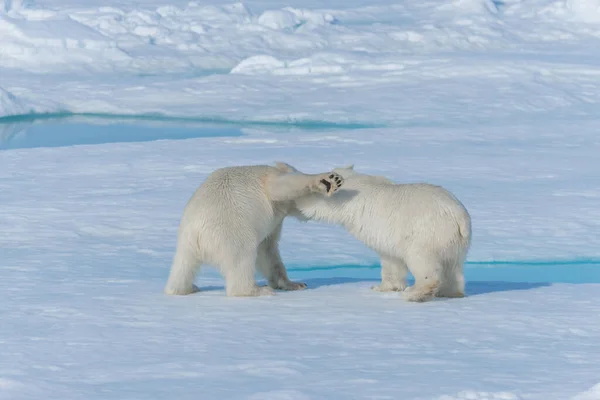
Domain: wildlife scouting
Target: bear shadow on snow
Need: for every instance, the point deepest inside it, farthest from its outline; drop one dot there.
(483, 287)
(473, 288)
(211, 288)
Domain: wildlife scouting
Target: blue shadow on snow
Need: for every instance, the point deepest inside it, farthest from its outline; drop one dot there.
(472, 288)
(481, 277)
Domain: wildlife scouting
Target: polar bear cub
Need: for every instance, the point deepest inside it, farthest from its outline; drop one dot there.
(233, 221)
(418, 227)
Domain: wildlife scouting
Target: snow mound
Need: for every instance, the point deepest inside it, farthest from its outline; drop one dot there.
(317, 64)
(10, 104)
(291, 18)
(195, 50)
(591, 394)
(167, 38)
(179, 37)
(473, 395)
(280, 395)
(258, 64)
(585, 10)
(477, 6)
(282, 19)
(14, 5)
(324, 63)
(8, 383)
(54, 41)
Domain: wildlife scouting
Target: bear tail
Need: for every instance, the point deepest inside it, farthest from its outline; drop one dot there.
(464, 228)
(463, 219)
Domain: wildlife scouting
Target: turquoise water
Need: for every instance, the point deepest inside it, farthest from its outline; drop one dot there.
(560, 271)
(481, 277)
(563, 271)
(71, 132)
(59, 130)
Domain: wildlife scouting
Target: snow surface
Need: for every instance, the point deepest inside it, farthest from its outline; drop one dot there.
(89, 232)
(496, 100)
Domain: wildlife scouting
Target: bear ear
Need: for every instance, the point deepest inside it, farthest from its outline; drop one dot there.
(351, 167)
(285, 167)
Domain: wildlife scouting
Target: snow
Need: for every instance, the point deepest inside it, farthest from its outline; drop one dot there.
(592, 394)
(585, 10)
(495, 100)
(199, 58)
(314, 344)
(89, 233)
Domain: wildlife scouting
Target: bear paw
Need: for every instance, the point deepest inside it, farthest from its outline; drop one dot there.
(388, 287)
(264, 291)
(289, 285)
(253, 292)
(419, 294)
(329, 183)
(181, 291)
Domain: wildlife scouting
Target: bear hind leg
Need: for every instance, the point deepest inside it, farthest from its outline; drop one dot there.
(453, 285)
(272, 267)
(427, 271)
(239, 276)
(183, 272)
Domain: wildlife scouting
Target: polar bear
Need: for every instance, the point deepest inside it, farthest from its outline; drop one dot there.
(418, 227)
(233, 221)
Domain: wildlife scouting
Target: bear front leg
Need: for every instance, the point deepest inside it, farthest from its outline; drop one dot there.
(292, 186)
(272, 267)
(327, 184)
(239, 276)
(393, 275)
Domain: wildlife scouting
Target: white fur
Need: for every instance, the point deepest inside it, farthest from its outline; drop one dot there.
(418, 227)
(233, 221)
